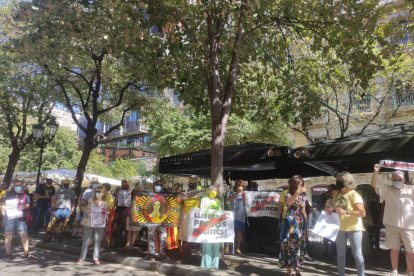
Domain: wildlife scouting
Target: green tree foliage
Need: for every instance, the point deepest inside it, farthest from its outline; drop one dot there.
(94, 51)
(122, 168)
(253, 54)
(62, 152)
(97, 165)
(185, 130)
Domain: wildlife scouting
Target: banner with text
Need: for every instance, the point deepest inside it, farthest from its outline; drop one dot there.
(262, 204)
(195, 193)
(210, 226)
(397, 165)
(152, 209)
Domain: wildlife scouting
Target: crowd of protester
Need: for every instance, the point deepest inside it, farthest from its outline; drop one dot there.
(58, 210)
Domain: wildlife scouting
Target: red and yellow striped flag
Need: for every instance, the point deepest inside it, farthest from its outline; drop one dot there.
(172, 238)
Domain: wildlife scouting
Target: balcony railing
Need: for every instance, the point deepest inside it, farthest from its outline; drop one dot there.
(397, 100)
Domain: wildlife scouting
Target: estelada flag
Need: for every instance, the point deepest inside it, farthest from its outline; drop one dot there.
(172, 238)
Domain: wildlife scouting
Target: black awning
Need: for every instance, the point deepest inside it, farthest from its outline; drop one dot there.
(358, 153)
(250, 161)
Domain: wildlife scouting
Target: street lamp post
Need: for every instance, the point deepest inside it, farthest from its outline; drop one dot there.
(42, 137)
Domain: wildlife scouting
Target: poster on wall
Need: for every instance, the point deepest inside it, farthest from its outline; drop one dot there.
(262, 204)
(152, 209)
(210, 226)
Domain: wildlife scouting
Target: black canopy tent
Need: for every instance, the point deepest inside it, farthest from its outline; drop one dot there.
(358, 153)
(250, 161)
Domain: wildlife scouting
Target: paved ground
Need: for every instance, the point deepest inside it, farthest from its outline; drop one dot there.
(61, 262)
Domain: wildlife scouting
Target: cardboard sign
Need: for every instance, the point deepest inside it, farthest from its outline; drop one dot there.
(210, 226)
(152, 209)
(262, 204)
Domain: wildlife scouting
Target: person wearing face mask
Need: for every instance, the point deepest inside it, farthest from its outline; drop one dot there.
(210, 251)
(63, 205)
(94, 222)
(398, 217)
(349, 206)
(43, 195)
(132, 229)
(156, 232)
(239, 206)
(294, 228)
(13, 205)
(122, 202)
(187, 205)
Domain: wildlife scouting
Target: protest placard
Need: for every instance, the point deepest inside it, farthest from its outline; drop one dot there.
(262, 204)
(12, 209)
(327, 226)
(98, 216)
(210, 226)
(397, 165)
(194, 193)
(152, 209)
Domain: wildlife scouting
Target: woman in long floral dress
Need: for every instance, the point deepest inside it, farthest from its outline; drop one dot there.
(294, 228)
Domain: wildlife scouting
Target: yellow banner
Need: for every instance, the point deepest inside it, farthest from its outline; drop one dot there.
(155, 209)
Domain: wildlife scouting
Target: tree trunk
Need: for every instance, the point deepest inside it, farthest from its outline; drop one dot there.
(14, 157)
(88, 147)
(217, 148)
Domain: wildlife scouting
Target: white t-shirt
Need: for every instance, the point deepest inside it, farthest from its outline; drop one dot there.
(399, 205)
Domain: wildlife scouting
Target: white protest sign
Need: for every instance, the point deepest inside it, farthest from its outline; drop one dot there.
(262, 204)
(327, 226)
(210, 226)
(98, 216)
(12, 209)
(397, 165)
(123, 196)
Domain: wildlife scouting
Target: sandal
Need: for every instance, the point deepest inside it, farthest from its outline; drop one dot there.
(79, 262)
(96, 261)
(28, 256)
(8, 256)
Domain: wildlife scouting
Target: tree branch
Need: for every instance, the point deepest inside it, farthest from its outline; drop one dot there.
(121, 122)
(120, 98)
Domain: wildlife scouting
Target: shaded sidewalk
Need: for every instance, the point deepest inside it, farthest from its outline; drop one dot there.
(376, 262)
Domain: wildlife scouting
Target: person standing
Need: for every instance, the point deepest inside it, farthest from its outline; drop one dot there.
(294, 229)
(187, 205)
(94, 222)
(398, 217)
(63, 206)
(132, 230)
(210, 251)
(12, 207)
(328, 245)
(374, 230)
(349, 206)
(156, 232)
(43, 194)
(239, 207)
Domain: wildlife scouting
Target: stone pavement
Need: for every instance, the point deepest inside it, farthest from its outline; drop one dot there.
(377, 262)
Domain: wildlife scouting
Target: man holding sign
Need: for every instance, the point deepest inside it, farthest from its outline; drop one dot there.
(12, 208)
(398, 214)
